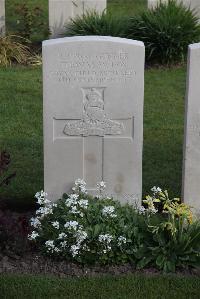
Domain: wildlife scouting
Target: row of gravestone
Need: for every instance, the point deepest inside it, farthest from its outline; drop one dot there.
(61, 11)
(93, 117)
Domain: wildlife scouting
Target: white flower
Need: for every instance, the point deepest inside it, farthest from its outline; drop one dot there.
(83, 189)
(156, 189)
(42, 198)
(80, 182)
(74, 197)
(80, 186)
(101, 185)
(56, 249)
(62, 236)
(141, 210)
(44, 211)
(83, 203)
(80, 236)
(109, 211)
(33, 235)
(74, 250)
(35, 222)
(63, 244)
(55, 224)
(121, 240)
(72, 200)
(50, 245)
(41, 194)
(152, 210)
(71, 224)
(74, 210)
(105, 238)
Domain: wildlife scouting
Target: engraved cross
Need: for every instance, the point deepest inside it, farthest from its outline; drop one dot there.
(94, 127)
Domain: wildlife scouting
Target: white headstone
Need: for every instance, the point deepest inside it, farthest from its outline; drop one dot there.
(93, 114)
(191, 169)
(61, 12)
(193, 4)
(2, 17)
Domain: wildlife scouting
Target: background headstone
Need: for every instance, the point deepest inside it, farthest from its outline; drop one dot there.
(93, 114)
(191, 168)
(2, 17)
(61, 11)
(193, 4)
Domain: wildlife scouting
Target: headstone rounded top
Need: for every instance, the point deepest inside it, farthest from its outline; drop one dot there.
(93, 115)
(95, 38)
(194, 46)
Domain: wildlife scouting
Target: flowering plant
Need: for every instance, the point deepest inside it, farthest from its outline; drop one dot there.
(81, 227)
(97, 229)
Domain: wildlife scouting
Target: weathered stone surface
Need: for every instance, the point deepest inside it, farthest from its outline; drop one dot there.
(191, 169)
(61, 11)
(93, 114)
(2, 17)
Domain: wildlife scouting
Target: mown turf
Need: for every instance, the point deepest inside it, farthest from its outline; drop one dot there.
(126, 7)
(132, 286)
(21, 130)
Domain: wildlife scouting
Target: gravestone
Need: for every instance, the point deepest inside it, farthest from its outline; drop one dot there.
(93, 114)
(193, 4)
(61, 12)
(2, 17)
(191, 168)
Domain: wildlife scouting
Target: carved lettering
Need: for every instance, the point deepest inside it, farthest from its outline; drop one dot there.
(105, 67)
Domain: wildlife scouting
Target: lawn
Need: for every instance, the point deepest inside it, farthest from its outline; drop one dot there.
(21, 130)
(131, 286)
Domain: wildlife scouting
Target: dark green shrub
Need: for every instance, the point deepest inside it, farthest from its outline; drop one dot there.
(166, 31)
(31, 23)
(93, 23)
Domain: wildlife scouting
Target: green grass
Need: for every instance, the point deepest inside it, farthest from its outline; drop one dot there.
(126, 7)
(21, 130)
(130, 286)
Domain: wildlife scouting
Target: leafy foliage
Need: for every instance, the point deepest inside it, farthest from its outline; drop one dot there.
(12, 50)
(94, 23)
(31, 22)
(166, 31)
(97, 229)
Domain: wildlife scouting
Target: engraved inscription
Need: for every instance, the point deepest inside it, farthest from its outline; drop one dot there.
(95, 121)
(96, 68)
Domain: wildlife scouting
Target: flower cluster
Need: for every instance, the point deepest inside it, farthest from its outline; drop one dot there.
(101, 186)
(150, 201)
(80, 186)
(106, 242)
(87, 228)
(108, 211)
